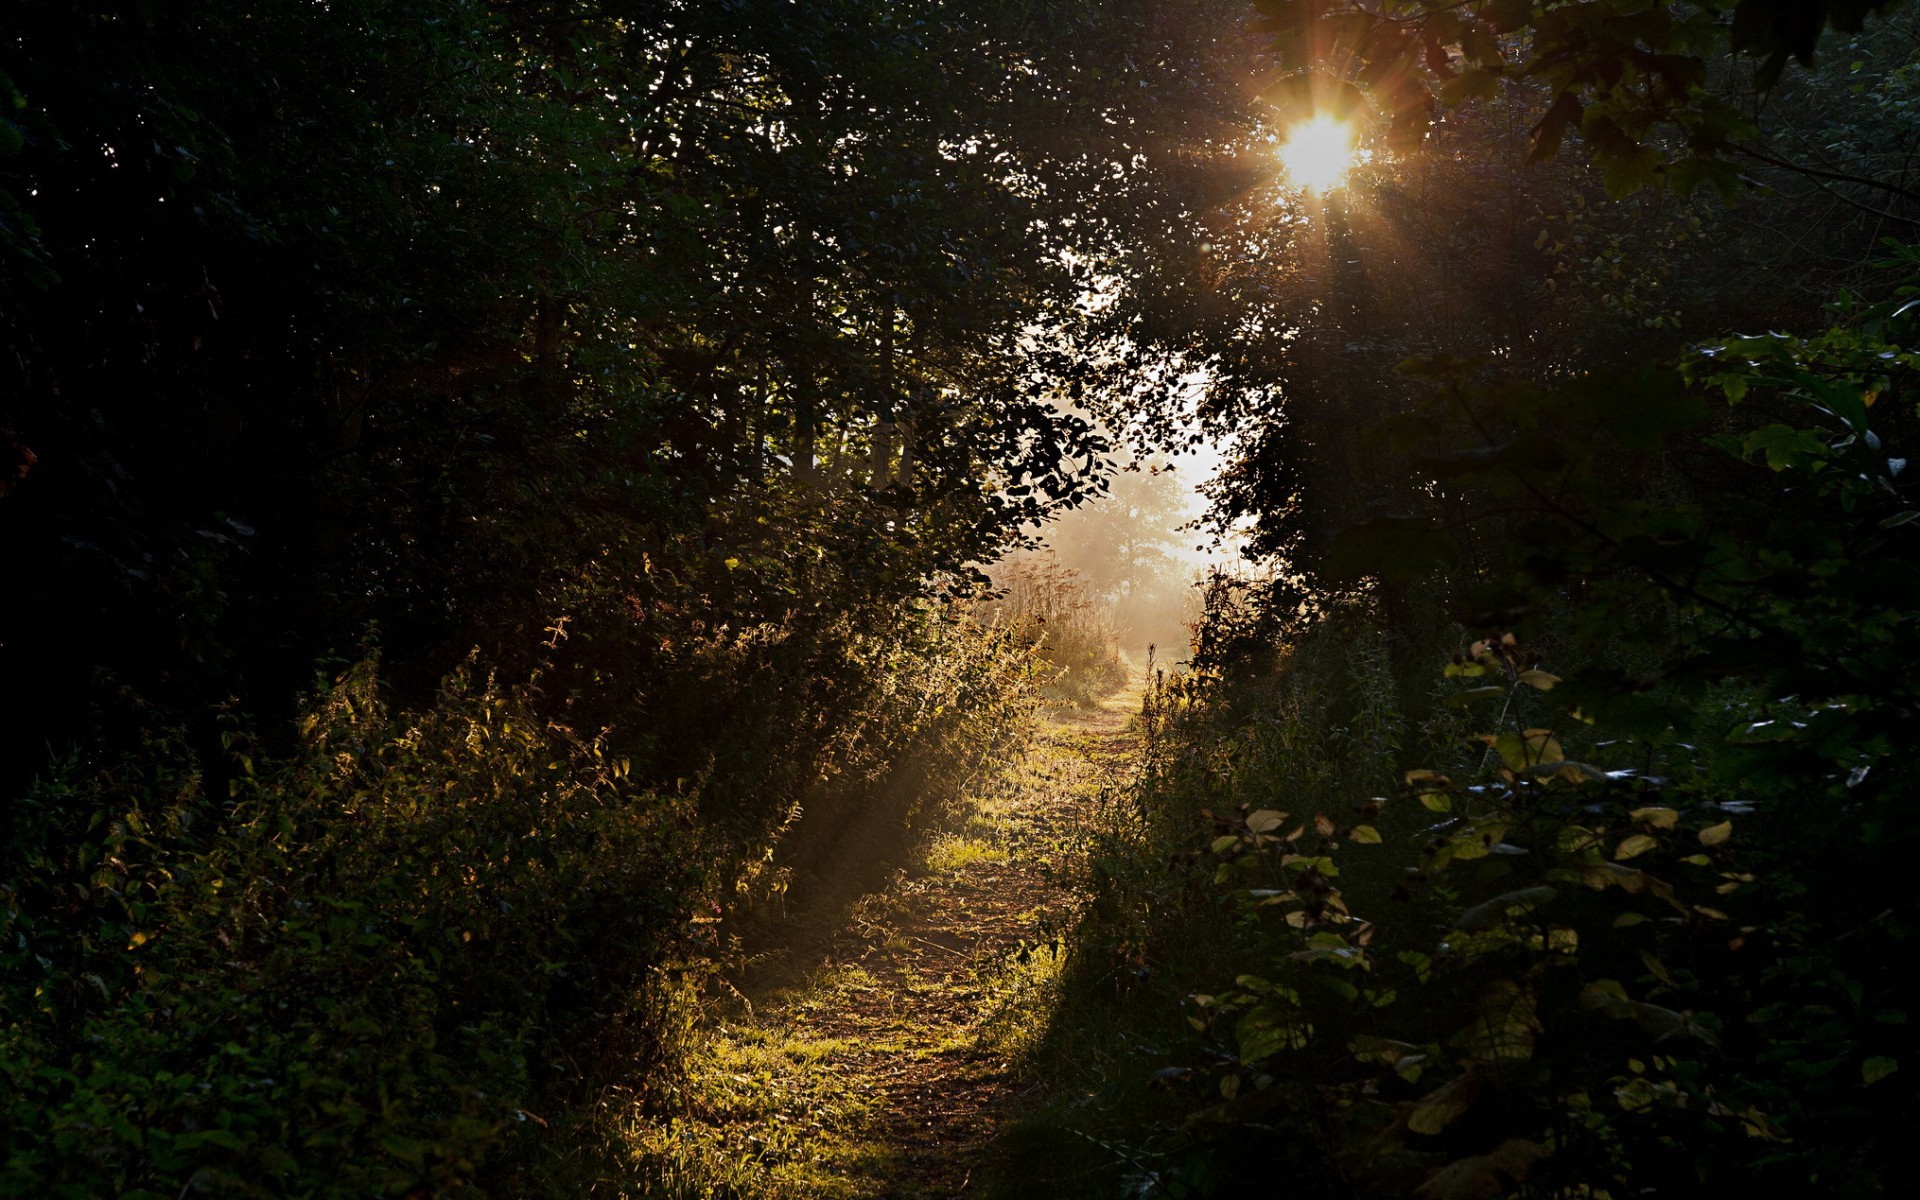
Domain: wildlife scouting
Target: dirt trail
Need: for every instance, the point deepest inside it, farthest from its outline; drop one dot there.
(881, 1064)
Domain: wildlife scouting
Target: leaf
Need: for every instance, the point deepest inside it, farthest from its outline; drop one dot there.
(1543, 747)
(1491, 912)
(225, 1139)
(1504, 1024)
(1265, 820)
(1515, 1157)
(1365, 835)
(1480, 1177)
(1470, 85)
(1608, 998)
(1533, 748)
(1634, 846)
(1875, 1069)
(1265, 1031)
(1462, 699)
(1658, 968)
(1474, 1178)
(1786, 447)
(1536, 678)
(1563, 114)
(1444, 1105)
(1657, 816)
(1713, 835)
(1569, 770)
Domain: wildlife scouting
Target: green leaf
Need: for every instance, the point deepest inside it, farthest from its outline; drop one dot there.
(1787, 448)
(225, 1139)
(1875, 1069)
(1266, 1031)
(1365, 835)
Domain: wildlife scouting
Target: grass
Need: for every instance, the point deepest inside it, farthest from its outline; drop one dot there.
(952, 854)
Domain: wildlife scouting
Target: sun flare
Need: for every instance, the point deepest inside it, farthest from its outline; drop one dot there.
(1319, 152)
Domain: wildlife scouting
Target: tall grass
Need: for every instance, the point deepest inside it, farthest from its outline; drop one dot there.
(1048, 607)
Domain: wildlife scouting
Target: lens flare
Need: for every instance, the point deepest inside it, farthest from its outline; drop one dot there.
(1318, 153)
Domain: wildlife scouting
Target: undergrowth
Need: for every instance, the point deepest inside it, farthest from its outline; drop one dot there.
(418, 950)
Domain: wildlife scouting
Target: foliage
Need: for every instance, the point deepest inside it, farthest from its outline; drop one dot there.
(1623, 77)
(345, 976)
(1640, 923)
(383, 962)
(462, 317)
(1464, 246)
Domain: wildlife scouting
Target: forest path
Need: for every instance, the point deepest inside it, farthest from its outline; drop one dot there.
(883, 1065)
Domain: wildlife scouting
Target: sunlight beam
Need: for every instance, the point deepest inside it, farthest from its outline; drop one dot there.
(1318, 153)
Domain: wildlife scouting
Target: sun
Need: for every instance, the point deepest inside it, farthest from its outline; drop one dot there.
(1319, 152)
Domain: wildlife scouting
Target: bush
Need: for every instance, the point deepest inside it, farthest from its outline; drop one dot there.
(348, 976)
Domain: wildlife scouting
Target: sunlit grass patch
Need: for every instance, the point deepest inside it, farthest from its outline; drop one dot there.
(1020, 998)
(951, 854)
(765, 1112)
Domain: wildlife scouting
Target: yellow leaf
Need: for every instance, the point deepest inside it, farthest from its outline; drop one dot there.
(1658, 968)
(1265, 821)
(1536, 678)
(1659, 818)
(1543, 748)
(1438, 1108)
(1713, 835)
(1366, 835)
(1634, 846)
